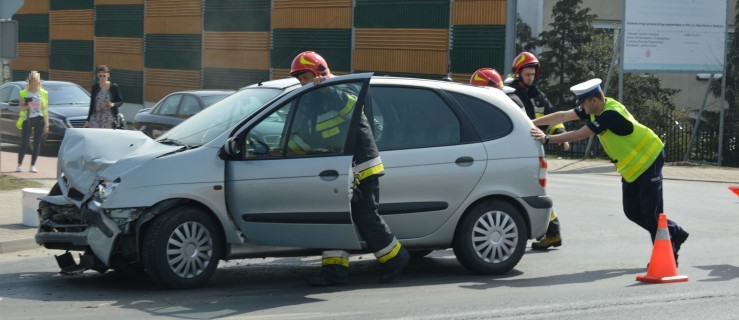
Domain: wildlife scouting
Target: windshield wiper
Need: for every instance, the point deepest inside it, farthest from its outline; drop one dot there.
(177, 143)
(173, 142)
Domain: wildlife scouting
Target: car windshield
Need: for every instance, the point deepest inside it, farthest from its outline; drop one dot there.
(66, 94)
(205, 125)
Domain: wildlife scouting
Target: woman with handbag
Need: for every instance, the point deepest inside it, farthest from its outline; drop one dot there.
(105, 100)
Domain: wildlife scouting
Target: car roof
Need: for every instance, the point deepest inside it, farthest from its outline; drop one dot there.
(207, 92)
(22, 84)
(276, 84)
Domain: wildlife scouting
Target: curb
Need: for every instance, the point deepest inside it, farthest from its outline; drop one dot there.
(17, 245)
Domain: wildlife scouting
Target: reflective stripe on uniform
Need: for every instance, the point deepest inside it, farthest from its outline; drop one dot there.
(554, 128)
(297, 145)
(332, 257)
(635, 152)
(551, 128)
(332, 118)
(553, 216)
(389, 252)
(330, 132)
(368, 168)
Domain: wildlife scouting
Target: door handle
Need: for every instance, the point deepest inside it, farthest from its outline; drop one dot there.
(329, 175)
(464, 161)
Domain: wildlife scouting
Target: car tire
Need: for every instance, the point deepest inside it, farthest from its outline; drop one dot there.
(491, 238)
(181, 248)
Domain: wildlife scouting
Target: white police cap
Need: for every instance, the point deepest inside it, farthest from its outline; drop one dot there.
(586, 89)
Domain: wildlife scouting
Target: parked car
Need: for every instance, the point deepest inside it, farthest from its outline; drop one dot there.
(462, 172)
(68, 107)
(175, 108)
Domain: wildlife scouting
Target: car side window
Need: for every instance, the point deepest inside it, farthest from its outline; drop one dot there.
(315, 123)
(265, 140)
(413, 118)
(5, 93)
(188, 107)
(169, 106)
(491, 122)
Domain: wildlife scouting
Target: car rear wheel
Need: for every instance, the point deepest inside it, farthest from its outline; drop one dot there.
(181, 248)
(491, 238)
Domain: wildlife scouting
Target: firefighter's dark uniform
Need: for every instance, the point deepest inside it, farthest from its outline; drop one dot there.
(536, 105)
(367, 168)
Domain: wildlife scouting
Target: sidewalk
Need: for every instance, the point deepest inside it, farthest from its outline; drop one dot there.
(14, 236)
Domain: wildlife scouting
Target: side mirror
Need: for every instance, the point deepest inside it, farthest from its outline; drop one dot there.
(14, 103)
(230, 149)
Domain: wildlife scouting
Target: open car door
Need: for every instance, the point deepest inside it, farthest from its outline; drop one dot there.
(290, 185)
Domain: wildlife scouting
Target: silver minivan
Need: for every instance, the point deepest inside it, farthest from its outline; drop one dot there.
(461, 171)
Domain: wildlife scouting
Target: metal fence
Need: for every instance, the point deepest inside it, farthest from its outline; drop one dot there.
(675, 133)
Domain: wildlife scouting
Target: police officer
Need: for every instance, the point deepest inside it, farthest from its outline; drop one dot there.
(525, 72)
(635, 149)
(310, 67)
(488, 77)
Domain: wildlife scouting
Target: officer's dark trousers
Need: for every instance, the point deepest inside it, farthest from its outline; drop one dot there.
(365, 215)
(642, 199)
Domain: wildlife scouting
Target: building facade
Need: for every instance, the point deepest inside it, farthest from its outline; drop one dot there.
(156, 47)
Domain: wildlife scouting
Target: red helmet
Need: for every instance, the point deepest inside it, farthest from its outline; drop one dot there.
(310, 61)
(523, 60)
(487, 77)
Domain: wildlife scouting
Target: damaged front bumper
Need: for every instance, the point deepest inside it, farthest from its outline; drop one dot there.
(89, 228)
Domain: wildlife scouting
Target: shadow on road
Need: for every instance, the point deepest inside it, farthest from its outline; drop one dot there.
(252, 285)
(720, 272)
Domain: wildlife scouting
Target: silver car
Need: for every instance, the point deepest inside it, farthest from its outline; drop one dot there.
(461, 172)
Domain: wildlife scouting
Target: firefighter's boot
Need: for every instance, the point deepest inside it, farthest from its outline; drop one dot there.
(547, 242)
(334, 270)
(393, 268)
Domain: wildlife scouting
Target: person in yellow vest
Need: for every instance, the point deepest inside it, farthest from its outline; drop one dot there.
(330, 116)
(635, 149)
(33, 118)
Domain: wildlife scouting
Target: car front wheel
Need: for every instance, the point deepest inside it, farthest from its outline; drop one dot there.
(491, 238)
(181, 248)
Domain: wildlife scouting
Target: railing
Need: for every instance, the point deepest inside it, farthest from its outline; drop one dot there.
(675, 133)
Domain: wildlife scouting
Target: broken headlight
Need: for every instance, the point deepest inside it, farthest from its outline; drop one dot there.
(104, 190)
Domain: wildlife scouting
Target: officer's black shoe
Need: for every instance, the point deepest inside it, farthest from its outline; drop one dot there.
(393, 268)
(680, 239)
(321, 281)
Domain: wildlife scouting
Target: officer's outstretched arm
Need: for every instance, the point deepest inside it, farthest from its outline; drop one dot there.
(578, 134)
(556, 117)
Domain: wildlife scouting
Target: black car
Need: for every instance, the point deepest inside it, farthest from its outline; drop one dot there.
(175, 108)
(68, 106)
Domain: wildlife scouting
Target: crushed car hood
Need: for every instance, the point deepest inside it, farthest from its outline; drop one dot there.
(87, 156)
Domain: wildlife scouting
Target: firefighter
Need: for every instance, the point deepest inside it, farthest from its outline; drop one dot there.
(635, 149)
(488, 77)
(310, 67)
(524, 73)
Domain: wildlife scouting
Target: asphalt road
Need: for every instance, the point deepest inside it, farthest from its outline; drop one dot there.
(591, 276)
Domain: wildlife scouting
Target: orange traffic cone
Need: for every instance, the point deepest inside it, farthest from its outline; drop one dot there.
(662, 267)
(734, 189)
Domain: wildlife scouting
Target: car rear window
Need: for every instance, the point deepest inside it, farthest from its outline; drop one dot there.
(491, 122)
